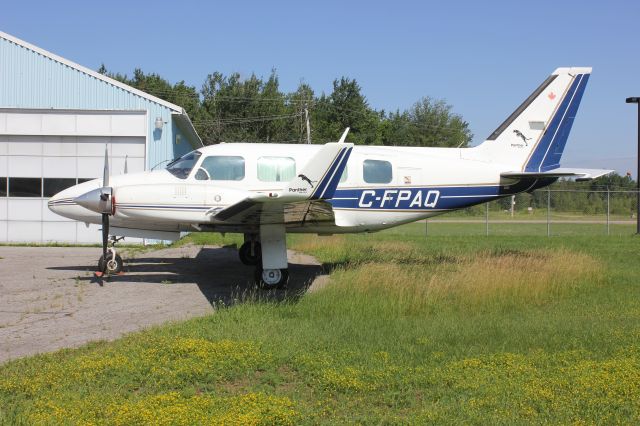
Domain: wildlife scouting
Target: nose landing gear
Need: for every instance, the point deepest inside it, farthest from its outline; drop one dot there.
(112, 264)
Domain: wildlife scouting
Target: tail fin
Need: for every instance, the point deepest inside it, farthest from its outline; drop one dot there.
(533, 138)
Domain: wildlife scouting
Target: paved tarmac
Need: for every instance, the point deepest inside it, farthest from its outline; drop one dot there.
(49, 298)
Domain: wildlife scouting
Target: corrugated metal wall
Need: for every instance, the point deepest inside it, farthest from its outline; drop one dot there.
(31, 80)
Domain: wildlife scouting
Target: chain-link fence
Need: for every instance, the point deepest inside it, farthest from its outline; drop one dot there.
(545, 212)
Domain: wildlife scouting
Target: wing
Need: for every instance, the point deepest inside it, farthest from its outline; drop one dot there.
(251, 212)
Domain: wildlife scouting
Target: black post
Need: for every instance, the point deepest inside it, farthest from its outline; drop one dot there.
(636, 100)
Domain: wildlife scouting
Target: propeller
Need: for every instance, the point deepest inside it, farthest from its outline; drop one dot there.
(100, 200)
(106, 197)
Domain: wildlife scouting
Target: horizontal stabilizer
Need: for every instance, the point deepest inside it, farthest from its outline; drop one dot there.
(578, 174)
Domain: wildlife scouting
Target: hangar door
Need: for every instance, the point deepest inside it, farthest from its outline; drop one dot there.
(35, 167)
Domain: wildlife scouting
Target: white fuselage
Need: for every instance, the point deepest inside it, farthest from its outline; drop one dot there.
(402, 185)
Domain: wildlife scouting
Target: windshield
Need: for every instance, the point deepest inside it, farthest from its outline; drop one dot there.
(182, 166)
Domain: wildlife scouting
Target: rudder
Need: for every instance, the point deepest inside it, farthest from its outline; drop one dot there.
(533, 137)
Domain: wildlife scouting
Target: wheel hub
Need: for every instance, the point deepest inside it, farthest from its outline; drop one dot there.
(112, 265)
(271, 276)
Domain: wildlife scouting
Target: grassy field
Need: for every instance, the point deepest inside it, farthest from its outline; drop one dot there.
(463, 227)
(446, 329)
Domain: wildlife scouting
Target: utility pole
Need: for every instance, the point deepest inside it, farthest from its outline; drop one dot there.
(636, 100)
(306, 117)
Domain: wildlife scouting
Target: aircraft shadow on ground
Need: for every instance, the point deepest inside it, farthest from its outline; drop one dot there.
(217, 272)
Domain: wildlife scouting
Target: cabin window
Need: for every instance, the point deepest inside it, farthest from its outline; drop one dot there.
(182, 166)
(276, 169)
(377, 171)
(51, 186)
(25, 187)
(221, 167)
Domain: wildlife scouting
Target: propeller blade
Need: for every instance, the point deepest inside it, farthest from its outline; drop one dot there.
(105, 173)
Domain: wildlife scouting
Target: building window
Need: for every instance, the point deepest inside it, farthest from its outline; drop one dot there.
(276, 169)
(3, 187)
(51, 186)
(377, 171)
(221, 168)
(25, 187)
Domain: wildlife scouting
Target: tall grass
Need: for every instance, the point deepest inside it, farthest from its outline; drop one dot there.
(487, 281)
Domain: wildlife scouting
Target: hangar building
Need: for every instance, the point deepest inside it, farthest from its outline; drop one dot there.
(56, 117)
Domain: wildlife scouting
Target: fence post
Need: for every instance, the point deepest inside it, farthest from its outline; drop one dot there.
(486, 219)
(513, 205)
(548, 212)
(608, 210)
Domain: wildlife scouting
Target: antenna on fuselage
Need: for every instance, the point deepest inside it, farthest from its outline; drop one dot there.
(344, 135)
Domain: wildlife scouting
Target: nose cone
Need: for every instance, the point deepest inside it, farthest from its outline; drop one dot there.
(97, 200)
(64, 204)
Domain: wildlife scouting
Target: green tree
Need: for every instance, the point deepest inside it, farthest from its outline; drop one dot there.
(433, 124)
(345, 107)
(233, 108)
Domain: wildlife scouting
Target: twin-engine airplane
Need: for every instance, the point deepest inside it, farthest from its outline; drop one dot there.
(267, 190)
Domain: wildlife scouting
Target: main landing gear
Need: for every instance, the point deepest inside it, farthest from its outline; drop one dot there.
(271, 278)
(250, 252)
(269, 254)
(114, 263)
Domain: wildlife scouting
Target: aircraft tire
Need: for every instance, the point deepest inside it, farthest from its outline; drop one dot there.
(268, 279)
(113, 267)
(245, 254)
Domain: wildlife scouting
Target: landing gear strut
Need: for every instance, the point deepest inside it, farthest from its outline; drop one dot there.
(114, 263)
(271, 271)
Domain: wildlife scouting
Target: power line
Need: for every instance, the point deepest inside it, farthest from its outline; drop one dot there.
(242, 120)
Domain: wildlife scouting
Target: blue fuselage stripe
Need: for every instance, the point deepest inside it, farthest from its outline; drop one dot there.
(418, 198)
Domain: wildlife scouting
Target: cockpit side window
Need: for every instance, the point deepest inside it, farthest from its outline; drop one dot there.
(182, 166)
(221, 167)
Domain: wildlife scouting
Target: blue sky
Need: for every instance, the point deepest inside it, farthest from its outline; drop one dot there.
(483, 57)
